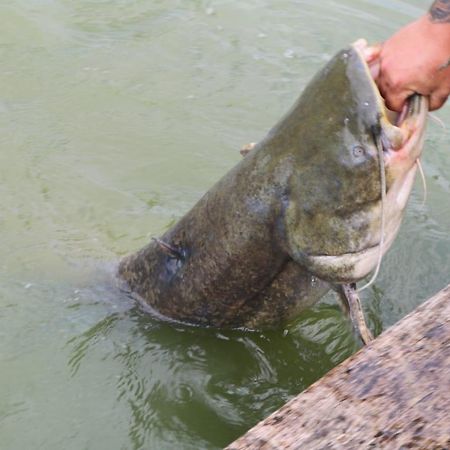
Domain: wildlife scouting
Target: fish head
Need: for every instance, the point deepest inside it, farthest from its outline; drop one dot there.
(341, 138)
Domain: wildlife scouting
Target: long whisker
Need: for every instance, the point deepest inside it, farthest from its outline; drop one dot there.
(424, 181)
(437, 119)
(383, 218)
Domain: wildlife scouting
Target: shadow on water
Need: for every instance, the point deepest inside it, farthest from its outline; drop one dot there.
(205, 387)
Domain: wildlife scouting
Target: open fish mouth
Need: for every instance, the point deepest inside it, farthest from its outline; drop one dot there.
(402, 137)
(399, 139)
(401, 134)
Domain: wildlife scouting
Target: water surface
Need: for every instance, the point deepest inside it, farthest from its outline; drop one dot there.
(115, 117)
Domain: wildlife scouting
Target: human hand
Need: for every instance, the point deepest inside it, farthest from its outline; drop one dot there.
(415, 59)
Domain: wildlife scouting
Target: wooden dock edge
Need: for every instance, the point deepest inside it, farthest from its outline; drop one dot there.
(392, 394)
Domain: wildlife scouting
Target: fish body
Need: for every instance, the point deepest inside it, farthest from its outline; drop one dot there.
(301, 212)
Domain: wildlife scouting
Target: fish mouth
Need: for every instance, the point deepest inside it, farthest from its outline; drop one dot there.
(399, 137)
(401, 133)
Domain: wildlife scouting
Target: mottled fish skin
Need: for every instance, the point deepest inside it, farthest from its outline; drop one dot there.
(243, 256)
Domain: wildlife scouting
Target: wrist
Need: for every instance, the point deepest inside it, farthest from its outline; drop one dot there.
(431, 25)
(436, 32)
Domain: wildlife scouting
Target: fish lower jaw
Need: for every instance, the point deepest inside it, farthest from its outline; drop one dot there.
(411, 148)
(345, 268)
(349, 267)
(403, 159)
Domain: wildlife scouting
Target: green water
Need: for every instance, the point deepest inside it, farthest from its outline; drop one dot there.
(115, 117)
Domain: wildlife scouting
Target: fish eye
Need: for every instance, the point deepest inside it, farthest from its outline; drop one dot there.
(358, 151)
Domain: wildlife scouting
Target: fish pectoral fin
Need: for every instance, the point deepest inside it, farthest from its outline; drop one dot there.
(170, 250)
(351, 304)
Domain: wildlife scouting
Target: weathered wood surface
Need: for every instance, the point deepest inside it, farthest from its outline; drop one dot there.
(393, 394)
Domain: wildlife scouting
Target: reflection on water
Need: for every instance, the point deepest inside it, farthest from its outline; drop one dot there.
(87, 339)
(115, 118)
(205, 387)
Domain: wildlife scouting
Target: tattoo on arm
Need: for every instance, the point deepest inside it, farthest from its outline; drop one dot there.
(440, 11)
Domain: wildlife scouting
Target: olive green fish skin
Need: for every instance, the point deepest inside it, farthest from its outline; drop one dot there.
(337, 182)
(307, 189)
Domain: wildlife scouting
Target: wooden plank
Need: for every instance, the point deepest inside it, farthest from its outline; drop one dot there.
(392, 394)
